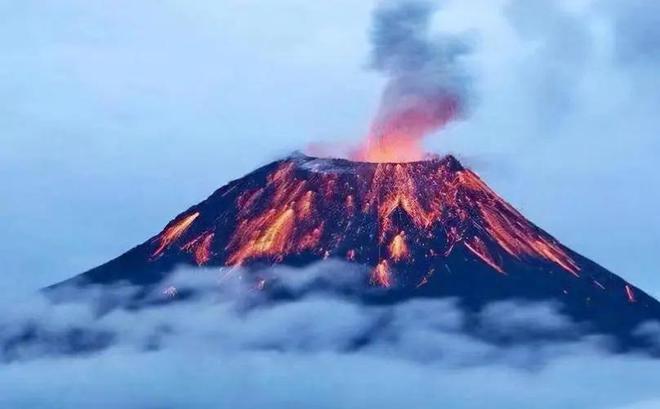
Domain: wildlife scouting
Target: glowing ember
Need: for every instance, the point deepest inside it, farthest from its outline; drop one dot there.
(267, 235)
(306, 205)
(201, 248)
(381, 275)
(393, 187)
(172, 233)
(398, 248)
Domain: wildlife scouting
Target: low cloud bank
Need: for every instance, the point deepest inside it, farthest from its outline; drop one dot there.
(229, 345)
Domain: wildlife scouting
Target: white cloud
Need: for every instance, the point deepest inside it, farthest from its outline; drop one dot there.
(231, 346)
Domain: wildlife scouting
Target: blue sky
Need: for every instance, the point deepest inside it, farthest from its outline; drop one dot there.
(118, 115)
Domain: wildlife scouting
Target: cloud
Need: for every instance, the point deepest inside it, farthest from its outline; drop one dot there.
(558, 45)
(637, 30)
(231, 345)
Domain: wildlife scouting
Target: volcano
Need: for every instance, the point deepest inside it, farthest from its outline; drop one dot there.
(419, 229)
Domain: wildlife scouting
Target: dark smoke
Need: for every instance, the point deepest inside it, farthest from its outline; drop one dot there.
(427, 81)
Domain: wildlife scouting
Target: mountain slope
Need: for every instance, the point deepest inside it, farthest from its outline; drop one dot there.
(429, 228)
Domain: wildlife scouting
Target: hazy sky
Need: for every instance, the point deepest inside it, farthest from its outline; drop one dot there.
(117, 115)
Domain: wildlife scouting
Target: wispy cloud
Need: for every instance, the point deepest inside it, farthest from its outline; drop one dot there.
(231, 345)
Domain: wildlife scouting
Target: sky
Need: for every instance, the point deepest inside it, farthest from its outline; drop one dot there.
(118, 115)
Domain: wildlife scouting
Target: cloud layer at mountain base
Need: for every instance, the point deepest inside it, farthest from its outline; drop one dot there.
(230, 346)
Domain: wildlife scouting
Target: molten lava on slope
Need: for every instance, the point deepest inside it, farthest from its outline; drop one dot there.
(427, 228)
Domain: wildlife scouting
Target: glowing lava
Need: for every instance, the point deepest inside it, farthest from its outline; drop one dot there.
(428, 228)
(434, 198)
(201, 248)
(398, 248)
(172, 233)
(416, 216)
(381, 275)
(398, 133)
(477, 246)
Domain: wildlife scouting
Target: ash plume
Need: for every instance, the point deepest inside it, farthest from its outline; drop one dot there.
(427, 82)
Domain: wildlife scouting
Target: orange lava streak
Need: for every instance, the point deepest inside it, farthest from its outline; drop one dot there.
(172, 233)
(480, 250)
(201, 248)
(381, 275)
(630, 294)
(306, 205)
(285, 184)
(553, 253)
(288, 224)
(393, 187)
(472, 181)
(282, 174)
(398, 248)
(510, 229)
(436, 203)
(517, 239)
(271, 241)
(248, 198)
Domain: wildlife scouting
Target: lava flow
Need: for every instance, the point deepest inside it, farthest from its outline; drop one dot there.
(432, 228)
(394, 216)
(386, 214)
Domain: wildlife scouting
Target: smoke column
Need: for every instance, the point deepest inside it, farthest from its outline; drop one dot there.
(426, 87)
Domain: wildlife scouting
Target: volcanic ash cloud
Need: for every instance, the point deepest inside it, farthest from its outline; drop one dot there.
(427, 84)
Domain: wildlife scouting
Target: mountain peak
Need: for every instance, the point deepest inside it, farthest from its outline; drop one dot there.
(431, 159)
(425, 228)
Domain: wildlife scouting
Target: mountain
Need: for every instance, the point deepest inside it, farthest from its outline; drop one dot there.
(429, 228)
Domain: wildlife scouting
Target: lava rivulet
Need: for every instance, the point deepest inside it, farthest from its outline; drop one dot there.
(201, 248)
(396, 217)
(398, 248)
(428, 228)
(435, 203)
(172, 233)
(381, 275)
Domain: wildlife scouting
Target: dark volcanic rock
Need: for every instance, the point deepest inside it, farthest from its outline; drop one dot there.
(427, 229)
